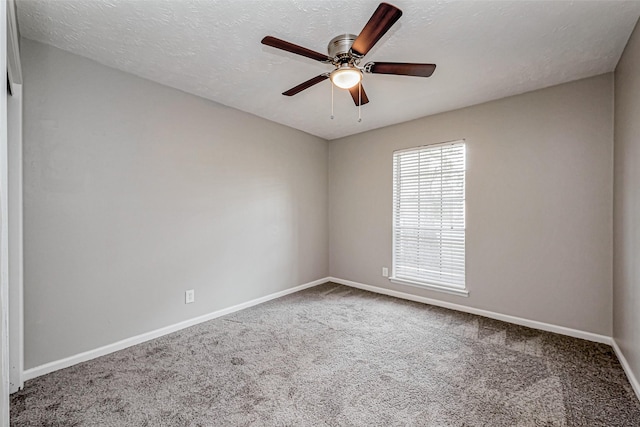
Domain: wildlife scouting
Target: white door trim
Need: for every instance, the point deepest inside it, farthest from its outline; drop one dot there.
(16, 317)
(12, 188)
(4, 286)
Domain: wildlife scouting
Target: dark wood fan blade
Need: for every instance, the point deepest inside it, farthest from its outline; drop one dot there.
(382, 19)
(306, 85)
(294, 48)
(400, 68)
(356, 96)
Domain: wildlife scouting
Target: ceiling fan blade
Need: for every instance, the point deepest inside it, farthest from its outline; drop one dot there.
(306, 85)
(382, 19)
(294, 48)
(356, 96)
(400, 68)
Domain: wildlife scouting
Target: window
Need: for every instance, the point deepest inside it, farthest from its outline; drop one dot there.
(429, 217)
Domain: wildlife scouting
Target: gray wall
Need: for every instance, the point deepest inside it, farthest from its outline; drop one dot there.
(539, 197)
(626, 250)
(135, 192)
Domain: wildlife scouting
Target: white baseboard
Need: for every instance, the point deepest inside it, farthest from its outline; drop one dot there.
(128, 342)
(590, 336)
(627, 369)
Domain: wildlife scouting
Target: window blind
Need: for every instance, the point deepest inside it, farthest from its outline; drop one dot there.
(429, 215)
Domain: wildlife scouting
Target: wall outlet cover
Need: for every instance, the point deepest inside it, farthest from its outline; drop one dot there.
(189, 296)
(385, 272)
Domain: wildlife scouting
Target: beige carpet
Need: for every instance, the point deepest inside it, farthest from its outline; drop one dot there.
(332, 356)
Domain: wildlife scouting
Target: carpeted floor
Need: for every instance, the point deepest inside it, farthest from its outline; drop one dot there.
(331, 356)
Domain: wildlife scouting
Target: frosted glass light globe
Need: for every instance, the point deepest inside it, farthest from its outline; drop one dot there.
(346, 78)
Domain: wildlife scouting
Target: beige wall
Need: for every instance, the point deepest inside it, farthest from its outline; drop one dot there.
(626, 251)
(135, 192)
(539, 197)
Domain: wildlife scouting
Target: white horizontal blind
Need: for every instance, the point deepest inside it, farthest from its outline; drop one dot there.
(428, 215)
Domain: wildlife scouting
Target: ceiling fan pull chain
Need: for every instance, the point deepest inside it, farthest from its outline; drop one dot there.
(359, 101)
(331, 101)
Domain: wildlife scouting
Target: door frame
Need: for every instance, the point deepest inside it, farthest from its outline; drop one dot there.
(13, 175)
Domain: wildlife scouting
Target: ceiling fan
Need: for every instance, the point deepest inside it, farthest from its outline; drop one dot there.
(347, 50)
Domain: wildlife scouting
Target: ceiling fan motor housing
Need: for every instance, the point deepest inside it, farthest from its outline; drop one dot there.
(339, 47)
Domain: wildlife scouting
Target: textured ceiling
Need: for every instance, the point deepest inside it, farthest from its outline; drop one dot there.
(484, 50)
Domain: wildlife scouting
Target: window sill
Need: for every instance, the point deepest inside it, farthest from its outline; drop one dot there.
(431, 287)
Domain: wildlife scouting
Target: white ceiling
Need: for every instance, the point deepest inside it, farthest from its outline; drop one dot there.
(484, 50)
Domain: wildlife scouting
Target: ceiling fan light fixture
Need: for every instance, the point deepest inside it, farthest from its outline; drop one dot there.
(346, 77)
(345, 52)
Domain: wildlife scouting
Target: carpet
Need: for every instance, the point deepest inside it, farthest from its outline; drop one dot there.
(337, 356)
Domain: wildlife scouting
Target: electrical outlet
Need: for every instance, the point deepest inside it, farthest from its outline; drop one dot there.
(189, 296)
(385, 272)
